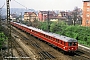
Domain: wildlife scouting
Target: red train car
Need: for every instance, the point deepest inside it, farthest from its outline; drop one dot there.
(65, 43)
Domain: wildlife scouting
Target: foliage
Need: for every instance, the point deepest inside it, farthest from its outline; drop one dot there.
(43, 26)
(53, 27)
(1, 28)
(2, 39)
(78, 32)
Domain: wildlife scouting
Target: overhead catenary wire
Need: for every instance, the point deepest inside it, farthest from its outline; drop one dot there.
(2, 6)
(20, 4)
(1, 13)
(23, 5)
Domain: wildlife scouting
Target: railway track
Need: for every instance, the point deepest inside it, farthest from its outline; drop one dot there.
(21, 52)
(82, 55)
(41, 51)
(46, 55)
(43, 54)
(78, 55)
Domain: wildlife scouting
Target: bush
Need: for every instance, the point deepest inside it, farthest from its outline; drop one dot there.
(78, 32)
(2, 39)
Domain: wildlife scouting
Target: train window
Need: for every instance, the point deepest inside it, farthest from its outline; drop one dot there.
(64, 43)
(70, 43)
(74, 44)
(57, 40)
(42, 34)
(34, 31)
(49, 37)
(46, 36)
(52, 38)
(61, 42)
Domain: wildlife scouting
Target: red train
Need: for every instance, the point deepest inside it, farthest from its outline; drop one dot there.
(65, 43)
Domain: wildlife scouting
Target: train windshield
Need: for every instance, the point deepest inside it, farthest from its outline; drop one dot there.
(72, 43)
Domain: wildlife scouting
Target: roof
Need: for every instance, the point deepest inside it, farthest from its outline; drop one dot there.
(13, 15)
(46, 12)
(86, 0)
(58, 17)
(60, 37)
(30, 13)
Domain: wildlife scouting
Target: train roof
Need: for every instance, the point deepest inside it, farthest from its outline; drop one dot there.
(61, 37)
(86, 0)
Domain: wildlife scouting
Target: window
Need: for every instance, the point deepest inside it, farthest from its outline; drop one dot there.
(46, 36)
(49, 37)
(64, 43)
(70, 43)
(61, 42)
(88, 9)
(88, 4)
(87, 21)
(52, 38)
(74, 44)
(87, 15)
(57, 40)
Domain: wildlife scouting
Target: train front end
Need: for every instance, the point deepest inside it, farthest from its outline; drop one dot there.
(72, 45)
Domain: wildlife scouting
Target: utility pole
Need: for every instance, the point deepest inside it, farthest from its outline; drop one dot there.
(21, 18)
(0, 17)
(10, 50)
(48, 22)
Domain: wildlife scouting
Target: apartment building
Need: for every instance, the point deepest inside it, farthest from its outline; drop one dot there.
(30, 16)
(86, 13)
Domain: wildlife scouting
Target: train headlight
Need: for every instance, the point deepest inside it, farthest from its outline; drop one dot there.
(64, 47)
(69, 48)
(72, 48)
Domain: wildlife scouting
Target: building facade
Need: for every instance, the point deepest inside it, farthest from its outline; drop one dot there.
(45, 15)
(30, 16)
(86, 13)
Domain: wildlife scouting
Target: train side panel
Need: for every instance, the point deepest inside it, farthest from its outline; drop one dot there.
(52, 40)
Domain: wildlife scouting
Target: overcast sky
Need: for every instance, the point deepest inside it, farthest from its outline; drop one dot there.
(45, 4)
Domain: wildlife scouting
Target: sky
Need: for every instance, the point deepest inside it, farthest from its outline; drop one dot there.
(45, 4)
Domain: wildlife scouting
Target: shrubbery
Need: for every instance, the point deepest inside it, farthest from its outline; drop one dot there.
(2, 39)
(82, 34)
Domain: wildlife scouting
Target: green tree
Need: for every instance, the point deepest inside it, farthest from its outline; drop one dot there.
(2, 39)
(74, 31)
(43, 26)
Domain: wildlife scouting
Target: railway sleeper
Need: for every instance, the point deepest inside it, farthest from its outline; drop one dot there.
(46, 55)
